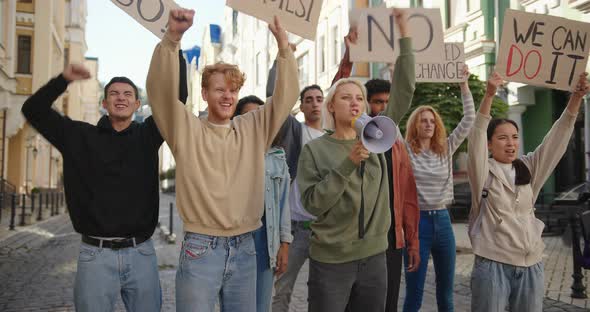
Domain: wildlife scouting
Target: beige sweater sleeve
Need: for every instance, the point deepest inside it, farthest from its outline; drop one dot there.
(546, 156)
(284, 96)
(170, 115)
(477, 163)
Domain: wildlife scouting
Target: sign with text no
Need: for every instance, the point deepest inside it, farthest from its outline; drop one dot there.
(378, 35)
(296, 16)
(151, 14)
(543, 50)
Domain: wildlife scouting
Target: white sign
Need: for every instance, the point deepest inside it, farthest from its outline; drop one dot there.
(296, 16)
(378, 35)
(151, 14)
(451, 70)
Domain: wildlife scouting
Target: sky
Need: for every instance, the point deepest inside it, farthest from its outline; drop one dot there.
(124, 47)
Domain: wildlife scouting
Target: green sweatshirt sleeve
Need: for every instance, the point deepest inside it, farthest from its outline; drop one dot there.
(319, 194)
(403, 82)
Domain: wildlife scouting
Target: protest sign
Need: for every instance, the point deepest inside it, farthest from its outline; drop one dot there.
(542, 50)
(378, 35)
(297, 16)
(151, 14)
(451, 70)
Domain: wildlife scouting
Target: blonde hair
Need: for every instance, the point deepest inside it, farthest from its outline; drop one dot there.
(232, 75)
(438, 142)
(328, 122)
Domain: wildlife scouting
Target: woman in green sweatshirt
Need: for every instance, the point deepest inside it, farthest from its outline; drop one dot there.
(346, 249)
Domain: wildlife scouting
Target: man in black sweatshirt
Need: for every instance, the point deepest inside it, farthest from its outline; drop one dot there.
(111, 185)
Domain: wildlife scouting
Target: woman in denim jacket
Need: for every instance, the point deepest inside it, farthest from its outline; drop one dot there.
(273, 238)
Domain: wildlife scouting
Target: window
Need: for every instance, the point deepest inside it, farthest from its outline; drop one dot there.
(302, 67)
(259, 68)
(25, 1)
(66, 57)
(335, 45)
(24, 55)
(321, 54)
(234, 22)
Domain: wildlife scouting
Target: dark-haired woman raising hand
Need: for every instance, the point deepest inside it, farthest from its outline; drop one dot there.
(504, 232)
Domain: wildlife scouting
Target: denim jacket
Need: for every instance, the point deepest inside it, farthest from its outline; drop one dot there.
(276, 202)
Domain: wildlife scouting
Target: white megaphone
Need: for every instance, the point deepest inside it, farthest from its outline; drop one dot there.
(376, 133)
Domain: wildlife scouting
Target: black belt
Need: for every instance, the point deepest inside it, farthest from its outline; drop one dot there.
(114, 244)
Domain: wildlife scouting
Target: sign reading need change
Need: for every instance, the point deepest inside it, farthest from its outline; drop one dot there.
(297, 16)
(450, 70)
(378, 35)
(151, 14)
(543, 50)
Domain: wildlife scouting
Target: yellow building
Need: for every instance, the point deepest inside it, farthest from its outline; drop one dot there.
(37, 38)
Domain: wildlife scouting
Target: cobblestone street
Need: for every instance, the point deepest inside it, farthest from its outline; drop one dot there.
(38, 264)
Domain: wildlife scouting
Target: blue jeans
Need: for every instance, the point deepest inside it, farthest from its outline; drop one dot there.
(264, 273)
(495, 285)
(436, 238)
(105, 273)
(215, 267)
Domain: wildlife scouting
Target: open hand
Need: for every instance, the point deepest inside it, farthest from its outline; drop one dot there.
(282, 259)
(279, 32)
(413, 260)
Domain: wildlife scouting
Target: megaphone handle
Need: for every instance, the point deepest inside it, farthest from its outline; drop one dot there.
(362, 210)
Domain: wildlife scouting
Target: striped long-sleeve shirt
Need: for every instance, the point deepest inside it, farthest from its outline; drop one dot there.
(434, 174)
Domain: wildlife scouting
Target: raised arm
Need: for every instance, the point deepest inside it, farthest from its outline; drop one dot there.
(37, 108)
(462, 130)
(345, 66)
(403, 81)
(477, 164)
(286, 86)
(546, 156)
(149, 123)
(163, 85)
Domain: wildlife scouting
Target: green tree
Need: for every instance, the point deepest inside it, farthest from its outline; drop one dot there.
(446, 99)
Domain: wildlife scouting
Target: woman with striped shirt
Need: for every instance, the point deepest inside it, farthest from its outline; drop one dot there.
(431, 155)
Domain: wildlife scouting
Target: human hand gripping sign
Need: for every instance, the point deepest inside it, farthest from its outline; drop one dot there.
(279, 33)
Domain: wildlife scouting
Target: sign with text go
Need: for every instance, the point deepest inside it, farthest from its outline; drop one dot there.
(543, 50)
(151, 14)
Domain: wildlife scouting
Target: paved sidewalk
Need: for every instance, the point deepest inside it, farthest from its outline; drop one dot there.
(38, 265)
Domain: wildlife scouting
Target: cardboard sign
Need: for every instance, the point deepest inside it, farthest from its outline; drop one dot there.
(543, 50)
(297, 16)
(151, 14)
(451, 70)
(378, 35)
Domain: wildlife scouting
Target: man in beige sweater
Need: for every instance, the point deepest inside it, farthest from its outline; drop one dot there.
(220, 169)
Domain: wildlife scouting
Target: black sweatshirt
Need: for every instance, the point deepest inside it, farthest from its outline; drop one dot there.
(110, 177)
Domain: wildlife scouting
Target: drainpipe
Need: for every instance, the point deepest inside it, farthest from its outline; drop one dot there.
(587, 135)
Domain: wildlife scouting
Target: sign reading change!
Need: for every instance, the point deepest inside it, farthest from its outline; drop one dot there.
(378, 35)
(151, 14)
(297, 16)
(543, 50)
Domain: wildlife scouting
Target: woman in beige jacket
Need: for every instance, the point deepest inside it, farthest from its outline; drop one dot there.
(504, 232)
